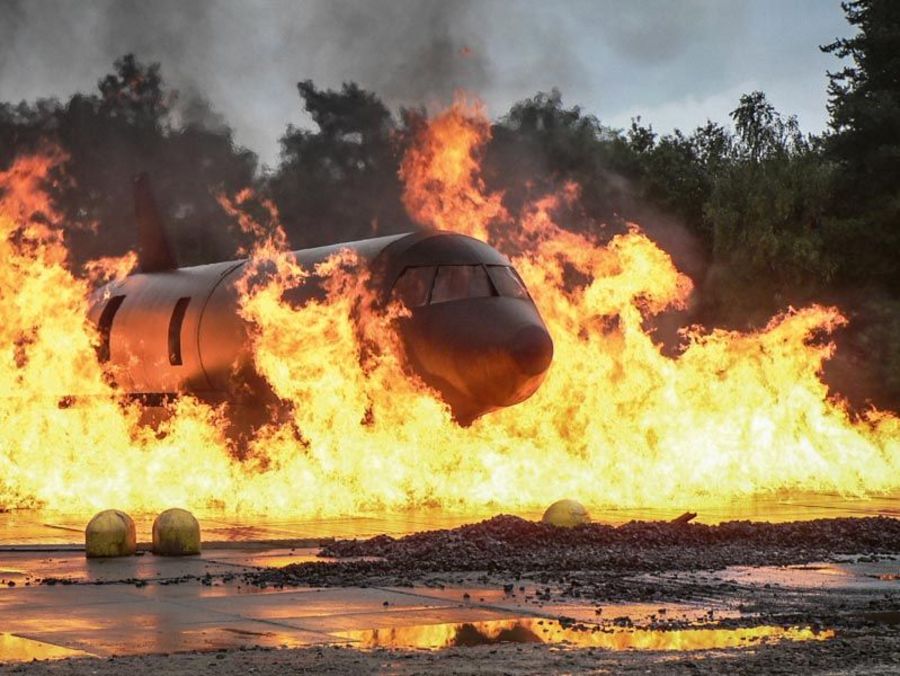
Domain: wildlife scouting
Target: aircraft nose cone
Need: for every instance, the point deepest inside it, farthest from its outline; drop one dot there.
(532, 350)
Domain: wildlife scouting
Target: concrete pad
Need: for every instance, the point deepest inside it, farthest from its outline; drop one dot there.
(121, 619)
(33, 599)
(132, 613)
(638, 613)
(182, 593)
(870, 575)
(385, 620)
(317, 602)
(270, 558)
(524, 604)
(21, 567)
(19, 649)
(169, 639)
(456, 594)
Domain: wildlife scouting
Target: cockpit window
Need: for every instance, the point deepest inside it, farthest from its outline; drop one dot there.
(507, 282)
(454, 282)
(420, 286)
(413, 286)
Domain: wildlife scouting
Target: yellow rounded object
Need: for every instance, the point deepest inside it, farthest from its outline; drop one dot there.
(110, 533)
(176, 533)
(566, 514)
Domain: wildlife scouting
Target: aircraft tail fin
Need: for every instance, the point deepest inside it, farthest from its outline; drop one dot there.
(154, 251)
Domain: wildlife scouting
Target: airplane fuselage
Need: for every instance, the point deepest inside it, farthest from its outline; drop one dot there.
(473, 333)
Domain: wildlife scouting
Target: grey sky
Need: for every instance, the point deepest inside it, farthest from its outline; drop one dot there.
(675, 63)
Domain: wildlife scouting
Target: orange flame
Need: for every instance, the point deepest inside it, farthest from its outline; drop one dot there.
(616, 423)
(443, 171)
(109, 268)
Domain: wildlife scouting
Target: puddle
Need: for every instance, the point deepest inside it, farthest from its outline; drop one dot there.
(17, 649)
(247, 632)
(535, 630)
(849, 575)
(635, 614)
(280, 559)
(832, 569)
(7, 572)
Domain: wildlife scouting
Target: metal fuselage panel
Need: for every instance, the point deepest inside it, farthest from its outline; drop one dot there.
(481, 351)
(213, 338)
(139, 334)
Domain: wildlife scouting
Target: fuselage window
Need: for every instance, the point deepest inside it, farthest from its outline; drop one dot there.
(175, 331)
(507, 282)
(413, 286)
(104, 326)
(455, 282)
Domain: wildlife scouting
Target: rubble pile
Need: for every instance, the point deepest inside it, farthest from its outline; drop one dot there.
(508, 546)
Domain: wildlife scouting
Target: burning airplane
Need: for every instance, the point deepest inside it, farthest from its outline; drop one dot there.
(471, 330)
(617, 420)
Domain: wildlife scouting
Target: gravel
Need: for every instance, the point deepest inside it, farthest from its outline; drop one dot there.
(509, 548)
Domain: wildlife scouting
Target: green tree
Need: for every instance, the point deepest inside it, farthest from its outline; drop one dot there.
(340, 182)
(131, 125)
(765, 213)
(540, 145)
(675, 177)
(864, 103)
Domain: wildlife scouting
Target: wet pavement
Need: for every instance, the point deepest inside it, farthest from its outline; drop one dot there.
(535, 630)
(35, 529)
(56, 604)
(104, 616)
(151, 605)
(151, 614)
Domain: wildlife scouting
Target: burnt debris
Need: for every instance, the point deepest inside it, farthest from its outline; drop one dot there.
(507, 547)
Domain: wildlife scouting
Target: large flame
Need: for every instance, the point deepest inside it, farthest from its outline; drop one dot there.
(616, 423)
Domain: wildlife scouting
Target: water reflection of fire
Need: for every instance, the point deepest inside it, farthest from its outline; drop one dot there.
(534, 630)
(616, 422)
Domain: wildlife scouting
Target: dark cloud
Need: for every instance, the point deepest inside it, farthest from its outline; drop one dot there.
(671, 59)
(654, 31)
(406, 51)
